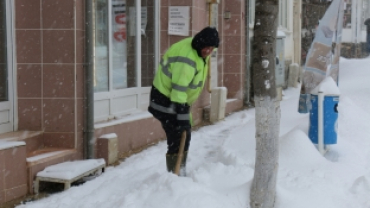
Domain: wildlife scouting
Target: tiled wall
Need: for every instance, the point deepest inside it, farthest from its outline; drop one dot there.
(13, 174)
(231, 68)
(231, 51)
(49, 39)
(198, 20)
(232, 48)
(134, 135)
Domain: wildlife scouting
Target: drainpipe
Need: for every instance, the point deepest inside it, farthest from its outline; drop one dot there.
(247, 90)
(88, 142)
(320, 123)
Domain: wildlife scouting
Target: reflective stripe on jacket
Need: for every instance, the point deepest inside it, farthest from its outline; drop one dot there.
(181, 73)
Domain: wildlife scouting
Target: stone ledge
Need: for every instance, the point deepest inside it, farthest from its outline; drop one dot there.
(47, 154)
(19, 135)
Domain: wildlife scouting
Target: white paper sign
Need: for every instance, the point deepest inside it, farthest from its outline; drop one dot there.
(178, 20)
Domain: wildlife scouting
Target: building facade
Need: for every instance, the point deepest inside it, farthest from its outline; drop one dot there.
(53, 50)
(76, 72)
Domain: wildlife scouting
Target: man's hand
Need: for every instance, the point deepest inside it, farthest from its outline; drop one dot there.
(183, 115)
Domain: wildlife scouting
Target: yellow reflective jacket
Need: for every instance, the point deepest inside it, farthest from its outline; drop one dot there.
(181, 73)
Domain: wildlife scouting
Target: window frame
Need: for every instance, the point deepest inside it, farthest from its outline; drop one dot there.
(284, 13)
(365, 13)
(118, 103)
(252, 9)
(283, 17)
(10, 104)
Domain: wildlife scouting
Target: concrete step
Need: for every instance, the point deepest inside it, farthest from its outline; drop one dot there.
(37, 156)
(39, 159)
(33, 139)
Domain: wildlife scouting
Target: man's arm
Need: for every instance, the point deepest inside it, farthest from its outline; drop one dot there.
(367, 22)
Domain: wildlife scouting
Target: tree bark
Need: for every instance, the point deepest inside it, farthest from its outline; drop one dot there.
(267, 104)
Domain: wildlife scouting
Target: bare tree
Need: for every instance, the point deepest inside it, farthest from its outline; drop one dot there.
(267, 104)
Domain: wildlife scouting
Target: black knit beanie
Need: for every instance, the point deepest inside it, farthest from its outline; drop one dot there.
(205, 38)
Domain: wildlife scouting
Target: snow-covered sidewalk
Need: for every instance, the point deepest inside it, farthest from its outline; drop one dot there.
(221, 162)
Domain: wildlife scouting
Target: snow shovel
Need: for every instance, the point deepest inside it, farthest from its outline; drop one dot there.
(180, 155)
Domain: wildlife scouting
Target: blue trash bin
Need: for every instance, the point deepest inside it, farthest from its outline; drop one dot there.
(330, 119)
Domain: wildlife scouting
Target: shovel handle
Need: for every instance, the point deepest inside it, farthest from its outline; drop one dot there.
(180, 155)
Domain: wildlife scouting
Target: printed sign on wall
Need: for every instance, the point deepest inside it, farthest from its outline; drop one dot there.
(178, 20)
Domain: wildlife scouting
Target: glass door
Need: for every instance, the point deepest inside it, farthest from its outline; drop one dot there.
(6, 98)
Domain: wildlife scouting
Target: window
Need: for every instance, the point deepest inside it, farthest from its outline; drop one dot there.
(124, 64)
(6, 66)
(365, 13)
(251, 10)
(347, 14)
(101, 47)
(283, 14)
(3, 55)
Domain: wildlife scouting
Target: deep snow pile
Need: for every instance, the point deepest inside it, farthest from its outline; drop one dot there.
(221, 162)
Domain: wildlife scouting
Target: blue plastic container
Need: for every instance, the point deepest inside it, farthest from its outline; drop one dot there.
(330, 119)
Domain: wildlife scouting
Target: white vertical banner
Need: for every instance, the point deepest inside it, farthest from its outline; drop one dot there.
(336, 46)
(178, 20)
(319, 59)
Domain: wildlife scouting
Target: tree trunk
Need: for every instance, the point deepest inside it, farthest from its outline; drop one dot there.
(267, 104)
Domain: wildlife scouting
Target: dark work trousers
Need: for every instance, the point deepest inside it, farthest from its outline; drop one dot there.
(174, 133)
(169, 123)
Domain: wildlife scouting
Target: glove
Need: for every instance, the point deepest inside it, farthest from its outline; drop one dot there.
(183, 115)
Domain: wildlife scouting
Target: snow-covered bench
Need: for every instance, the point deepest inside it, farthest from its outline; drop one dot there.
(68, 172)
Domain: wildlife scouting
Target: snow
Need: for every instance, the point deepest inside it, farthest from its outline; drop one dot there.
(71, 169)
(221, 162)
(280, 34)
(108, 136)
(10, 144)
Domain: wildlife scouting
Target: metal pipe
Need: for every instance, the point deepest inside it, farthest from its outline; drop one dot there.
(138, 45)
(88, 141)
(209, 87)
(320, 104)
(157, 34)
(110, 49)
(247, 89)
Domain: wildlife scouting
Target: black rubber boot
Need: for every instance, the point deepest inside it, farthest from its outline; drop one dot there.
(171, 160)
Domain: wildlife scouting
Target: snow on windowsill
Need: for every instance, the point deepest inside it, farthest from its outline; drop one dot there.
(124, 119)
